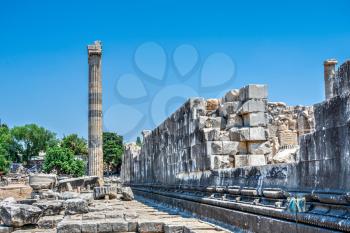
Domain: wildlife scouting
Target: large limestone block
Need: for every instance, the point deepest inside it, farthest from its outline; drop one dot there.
(49, 222)
(227, 108)
(231, 96)
(151, 227)
(254, 119)
(17, 215)
(42, 181)
(286, 155)
(232, 148)
(209, 122)
(76, 206)
(50, 208)
(69, 226)
(248, 134)
(215, 134)
(256, 160)
(259, 148)
(254, 105)
(219, 162)
(287, 137)
(127, 194)
(214, 147)
(234, 120)
(253, 91)
(241, 160)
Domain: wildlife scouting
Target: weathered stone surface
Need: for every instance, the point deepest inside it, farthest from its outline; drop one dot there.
(69, 195)
(127, 194)
(248, 134)
(286, 155)
(254, 105)
(212, 104)
(232, 95)
(42, 181)
(253, 91)
(101, 192)
(256, 160)
(69, 227)
(76, 206)
(5, 229)
(254, 119)
(17, 215)
(8, 201)
(50, 207)
(151, 227)
(49, 222)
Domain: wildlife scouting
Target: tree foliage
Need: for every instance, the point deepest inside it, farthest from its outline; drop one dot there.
(138, 141)
(112, 148)
(33, 139)
(76, 144)
(63, 161)
(6, 147)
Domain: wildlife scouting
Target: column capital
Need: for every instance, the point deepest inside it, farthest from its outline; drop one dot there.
(330, 62)
(95, 48)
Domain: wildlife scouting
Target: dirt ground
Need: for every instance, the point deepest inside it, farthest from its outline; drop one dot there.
(18, 191)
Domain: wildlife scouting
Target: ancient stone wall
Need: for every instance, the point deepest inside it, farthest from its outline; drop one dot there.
(241, 129)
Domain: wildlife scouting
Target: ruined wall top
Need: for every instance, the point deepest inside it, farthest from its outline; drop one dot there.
(95, 49)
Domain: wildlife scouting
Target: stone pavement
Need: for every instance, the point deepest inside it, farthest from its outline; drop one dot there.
(128, 216)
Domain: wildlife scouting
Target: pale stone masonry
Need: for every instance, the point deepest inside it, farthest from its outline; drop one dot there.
(95, 110)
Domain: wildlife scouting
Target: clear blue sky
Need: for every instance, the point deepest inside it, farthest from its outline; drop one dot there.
(43, 57)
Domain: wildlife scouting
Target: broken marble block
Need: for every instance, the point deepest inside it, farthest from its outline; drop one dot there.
(215, 134)
(231, 96)
(219, 162)
(214, 147)
(50, 208)
(212, 104)
(256, 160)
(227, 108)
(17, 215)
(253, 91)
(76, 206)
(209, 122)
(234, 120)
(254, 105)
(106, 190)
(254, 119)
(259, 147)
(248, 134)
(127, 194)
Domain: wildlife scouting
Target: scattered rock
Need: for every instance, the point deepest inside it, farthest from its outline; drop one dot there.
(42, 181)
(76, 206)
(69, 195)
(50, 208)
(127, 194)
(101, 192)
(8, 201)
(17, 215)
(49, 222)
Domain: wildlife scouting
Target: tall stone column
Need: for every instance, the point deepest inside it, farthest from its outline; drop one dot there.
(329, 75)
(95, 110)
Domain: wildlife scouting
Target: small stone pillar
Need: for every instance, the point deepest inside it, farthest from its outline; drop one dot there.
(329, 75)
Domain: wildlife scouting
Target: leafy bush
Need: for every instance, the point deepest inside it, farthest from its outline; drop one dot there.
(63, 161)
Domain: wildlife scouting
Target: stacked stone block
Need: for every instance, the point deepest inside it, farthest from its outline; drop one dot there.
(204, 136)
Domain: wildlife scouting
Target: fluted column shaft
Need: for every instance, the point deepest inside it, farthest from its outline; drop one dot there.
(95, 110)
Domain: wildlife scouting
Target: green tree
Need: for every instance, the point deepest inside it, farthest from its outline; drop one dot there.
(77, 145)
(63, 161)
(138, 141)
(112, 149)
(4, 163)
(33, 139)
(9, 149)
